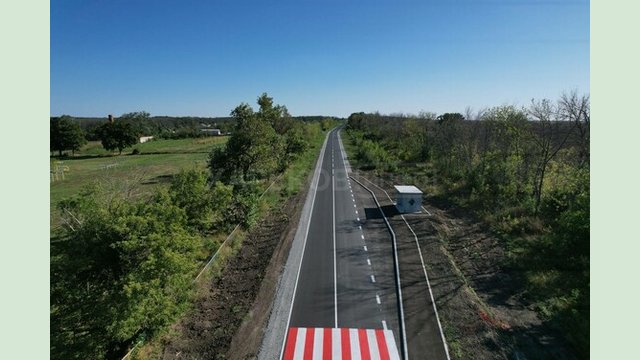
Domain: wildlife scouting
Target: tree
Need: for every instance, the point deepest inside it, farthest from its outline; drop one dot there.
(502, 174)
(118, 135)
(254, 150)
(140, 122)
(576, 109)
(551, 137)
(206, 206)
(448, 142)
(124, 270)
(65, 134)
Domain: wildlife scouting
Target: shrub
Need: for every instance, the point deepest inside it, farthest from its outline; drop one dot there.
(123, 271)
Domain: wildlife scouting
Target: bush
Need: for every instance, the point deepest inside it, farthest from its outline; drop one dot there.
(244, 208)
(124, 271)
(371, 155)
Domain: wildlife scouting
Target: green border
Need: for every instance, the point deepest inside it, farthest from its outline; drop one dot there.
(24, 202)
(24, 263)
(614, 179)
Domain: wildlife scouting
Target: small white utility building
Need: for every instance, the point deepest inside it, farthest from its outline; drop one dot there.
(408, 198)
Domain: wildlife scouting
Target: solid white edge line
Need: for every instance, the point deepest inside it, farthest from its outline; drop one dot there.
(425, 210)
(335, 266)
(433, 301)
(424, 268)
(304, 244)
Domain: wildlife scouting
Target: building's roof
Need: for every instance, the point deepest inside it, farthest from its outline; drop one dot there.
(407, 189)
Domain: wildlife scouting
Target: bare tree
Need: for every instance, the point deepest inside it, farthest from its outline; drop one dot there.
(468, 113)
(550, 138)
(576, 109)
(427, 115)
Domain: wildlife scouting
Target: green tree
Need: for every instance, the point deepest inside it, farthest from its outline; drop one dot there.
(291, 131)
(502, 176)
(204, 206)
(244, 208)
(140, 122)
(118, 135)
(124, 270)
(157, 256)
(448, 144)
(65, 134)
(254, 149)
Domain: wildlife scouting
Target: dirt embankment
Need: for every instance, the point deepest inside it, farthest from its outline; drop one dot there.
(479, 299)
(228, 321)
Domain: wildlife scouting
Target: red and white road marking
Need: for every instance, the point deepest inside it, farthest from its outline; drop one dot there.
(340, 343)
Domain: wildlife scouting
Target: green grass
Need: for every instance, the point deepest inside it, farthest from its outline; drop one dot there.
(94, 148)
(157, 162)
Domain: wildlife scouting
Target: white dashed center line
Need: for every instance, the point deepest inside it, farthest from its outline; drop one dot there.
(384, 324)
(365, 248)
(362, 236)
(368, 262)
(373, 279)
(378, 299)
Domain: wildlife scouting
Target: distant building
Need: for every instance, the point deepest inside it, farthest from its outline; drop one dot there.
(214, 132)
(144, 139)
(408, 198)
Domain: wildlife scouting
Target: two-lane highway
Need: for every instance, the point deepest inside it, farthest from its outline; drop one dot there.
(345, 298)
(346, 279)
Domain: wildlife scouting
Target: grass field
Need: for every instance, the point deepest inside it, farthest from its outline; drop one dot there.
(154, 166)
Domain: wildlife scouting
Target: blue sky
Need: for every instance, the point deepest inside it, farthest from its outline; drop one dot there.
(203, 58)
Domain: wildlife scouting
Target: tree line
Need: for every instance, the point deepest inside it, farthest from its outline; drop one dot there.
(122, 268)
(523, 170)
(69, 133)
(66, 134)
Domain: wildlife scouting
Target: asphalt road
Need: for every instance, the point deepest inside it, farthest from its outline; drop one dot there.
(346, 278)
